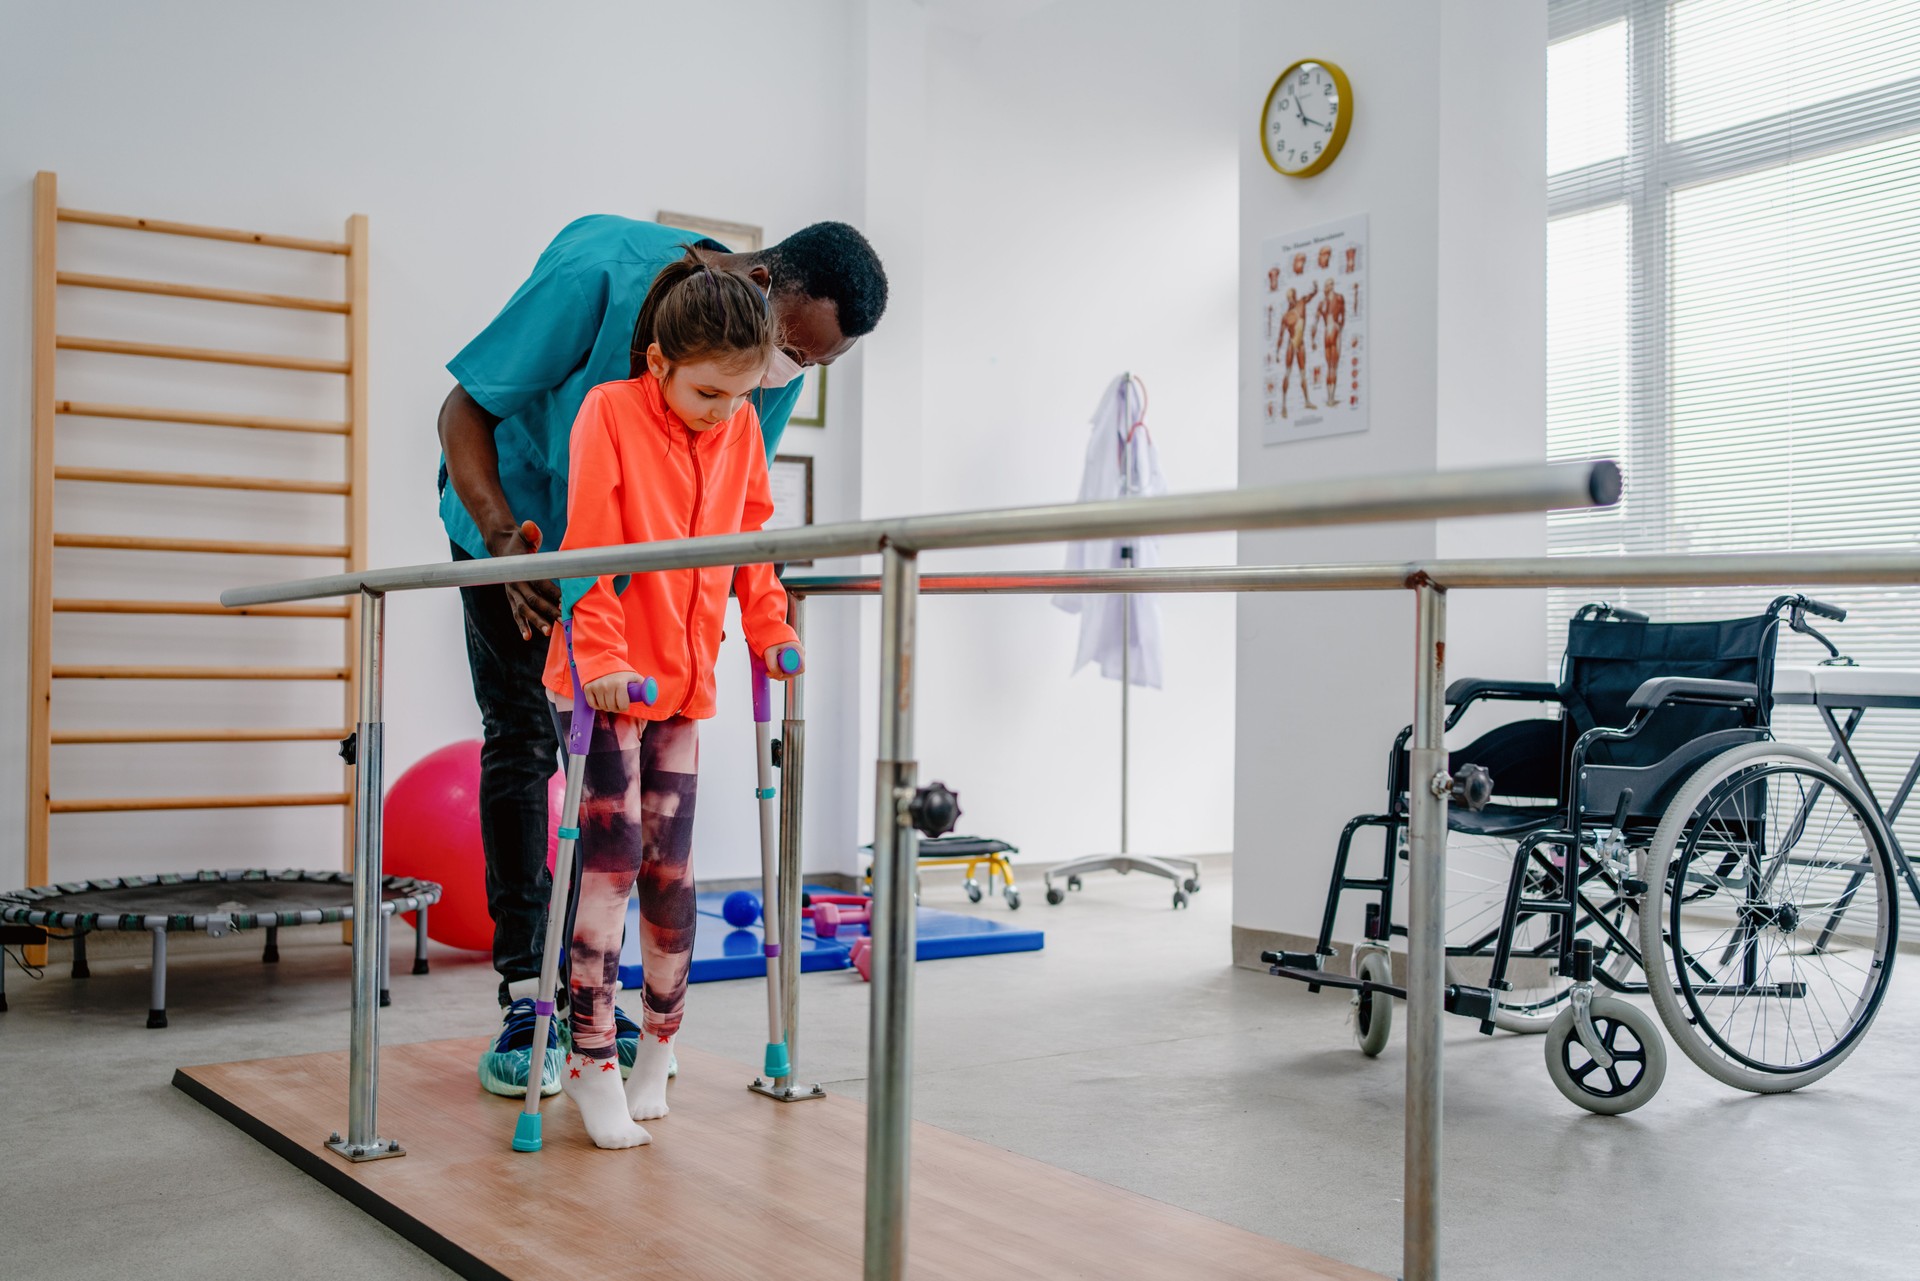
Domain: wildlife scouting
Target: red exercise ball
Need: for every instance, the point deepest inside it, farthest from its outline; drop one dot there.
(431, 825)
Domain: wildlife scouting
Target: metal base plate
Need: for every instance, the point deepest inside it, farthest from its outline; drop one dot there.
(378, 1150)
(788, 1093)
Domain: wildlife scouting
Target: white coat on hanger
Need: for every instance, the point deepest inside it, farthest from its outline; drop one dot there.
(1121, 463)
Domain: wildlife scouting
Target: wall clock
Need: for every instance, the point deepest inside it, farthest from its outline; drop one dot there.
(1305, 119)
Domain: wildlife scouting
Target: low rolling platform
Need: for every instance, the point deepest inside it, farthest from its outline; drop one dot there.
(732, 1187)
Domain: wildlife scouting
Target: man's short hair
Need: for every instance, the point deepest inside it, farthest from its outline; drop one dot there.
(832, 260)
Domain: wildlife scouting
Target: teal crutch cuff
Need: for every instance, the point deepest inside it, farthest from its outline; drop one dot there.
(777, 1065)
(526, 1132)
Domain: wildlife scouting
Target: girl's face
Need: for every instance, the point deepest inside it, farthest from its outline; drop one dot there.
(703, 393)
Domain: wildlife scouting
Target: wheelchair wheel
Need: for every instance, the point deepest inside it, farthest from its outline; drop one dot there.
(1373, 1013)
(1478, 870)
(1772, 909)
(1633, 1039)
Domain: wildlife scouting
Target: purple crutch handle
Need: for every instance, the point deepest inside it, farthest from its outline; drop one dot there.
(580, 725)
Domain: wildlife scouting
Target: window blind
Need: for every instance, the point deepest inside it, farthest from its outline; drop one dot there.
(1733, 304)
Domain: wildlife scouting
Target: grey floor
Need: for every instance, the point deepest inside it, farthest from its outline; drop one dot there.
(1128, 1050)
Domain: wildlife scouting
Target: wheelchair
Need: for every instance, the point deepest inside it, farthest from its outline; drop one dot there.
(1650, 837)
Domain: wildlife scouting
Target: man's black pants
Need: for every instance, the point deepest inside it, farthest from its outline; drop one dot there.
(518, 754)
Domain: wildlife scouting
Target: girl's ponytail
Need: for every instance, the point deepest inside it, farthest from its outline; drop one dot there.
(697, 311)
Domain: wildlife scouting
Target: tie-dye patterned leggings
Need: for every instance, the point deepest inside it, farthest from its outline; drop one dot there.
(636, 821)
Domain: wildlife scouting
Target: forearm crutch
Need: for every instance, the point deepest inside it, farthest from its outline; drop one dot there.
(526, 1130)
(776, 1065)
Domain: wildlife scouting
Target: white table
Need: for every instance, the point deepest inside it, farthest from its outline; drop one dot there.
(1855, 690)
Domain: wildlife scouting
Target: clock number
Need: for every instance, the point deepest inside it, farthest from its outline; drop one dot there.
(1285, 103)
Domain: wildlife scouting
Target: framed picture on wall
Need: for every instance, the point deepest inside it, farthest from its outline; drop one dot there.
(791, 478)
(740, 237)
(811, 409)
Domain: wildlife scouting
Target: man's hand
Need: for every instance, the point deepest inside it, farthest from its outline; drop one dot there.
(772, 659)
(536, 604)
(609, 693)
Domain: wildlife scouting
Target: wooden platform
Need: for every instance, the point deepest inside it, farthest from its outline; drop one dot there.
(733, 1186)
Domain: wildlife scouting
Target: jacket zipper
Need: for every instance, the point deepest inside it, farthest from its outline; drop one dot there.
(693, 529)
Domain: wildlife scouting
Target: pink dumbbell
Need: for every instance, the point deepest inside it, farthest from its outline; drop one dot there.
(862, 957)
(831, 911)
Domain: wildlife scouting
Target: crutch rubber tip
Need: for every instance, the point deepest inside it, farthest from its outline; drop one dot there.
(777, 1065)
(526, 1132)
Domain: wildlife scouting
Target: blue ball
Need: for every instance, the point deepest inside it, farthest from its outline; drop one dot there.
(741, 909)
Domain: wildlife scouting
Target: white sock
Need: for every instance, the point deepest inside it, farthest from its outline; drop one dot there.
(594, 1087)
(647, 1083)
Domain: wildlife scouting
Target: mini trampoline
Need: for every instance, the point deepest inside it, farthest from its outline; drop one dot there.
(217, 902)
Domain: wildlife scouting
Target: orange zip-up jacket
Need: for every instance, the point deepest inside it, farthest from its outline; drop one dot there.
(637, 475)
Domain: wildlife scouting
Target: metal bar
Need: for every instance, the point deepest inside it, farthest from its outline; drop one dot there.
(172, 289)
(1429, 496)
(214, 355)
(363, 1045)
(1743, 570)
(204, 233)
(198, 418)
(890, 1005)
(142, 804)
(199, 480)
(40, 545)
(1426, 936)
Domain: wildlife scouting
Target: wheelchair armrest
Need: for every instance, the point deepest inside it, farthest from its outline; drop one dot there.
(1666, 689)
(1467, 689)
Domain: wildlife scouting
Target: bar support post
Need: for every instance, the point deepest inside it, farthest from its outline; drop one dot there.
(363, 1141)
(895, 848)
(1426, 934)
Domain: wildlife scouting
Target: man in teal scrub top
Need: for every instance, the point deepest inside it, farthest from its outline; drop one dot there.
(504, 430)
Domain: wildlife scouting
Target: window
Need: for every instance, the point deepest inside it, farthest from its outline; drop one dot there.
(1733, 302)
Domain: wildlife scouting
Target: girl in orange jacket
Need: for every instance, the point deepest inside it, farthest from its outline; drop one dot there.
(673, 452)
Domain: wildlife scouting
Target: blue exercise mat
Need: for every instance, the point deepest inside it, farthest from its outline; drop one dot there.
(722, 952)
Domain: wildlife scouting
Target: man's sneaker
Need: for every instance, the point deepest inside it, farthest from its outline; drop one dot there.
(626, 1039)
(503, 1065)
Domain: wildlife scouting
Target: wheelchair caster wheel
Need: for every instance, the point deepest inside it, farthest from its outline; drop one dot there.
(1056, 895)
(1073, 882)
(1639, 1057)
(1192, 884)
(1013, 898)
(1373, 1013)
(1179, 898)
(973, 891)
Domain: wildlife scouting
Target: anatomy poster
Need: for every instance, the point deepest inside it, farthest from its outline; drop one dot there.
(1313, 307)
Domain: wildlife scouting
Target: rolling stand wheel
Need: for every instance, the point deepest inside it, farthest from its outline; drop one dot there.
(1192, 884)
(973, 890)
(1073, 882)
(1179, 898)
(1373, 1013)
(1056, 895)
(1013, 898)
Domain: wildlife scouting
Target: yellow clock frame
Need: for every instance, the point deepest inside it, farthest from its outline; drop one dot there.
(1342, 121)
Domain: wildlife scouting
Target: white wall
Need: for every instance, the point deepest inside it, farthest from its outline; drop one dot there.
(1445, 158)
(1076, 175)
(469, 135)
